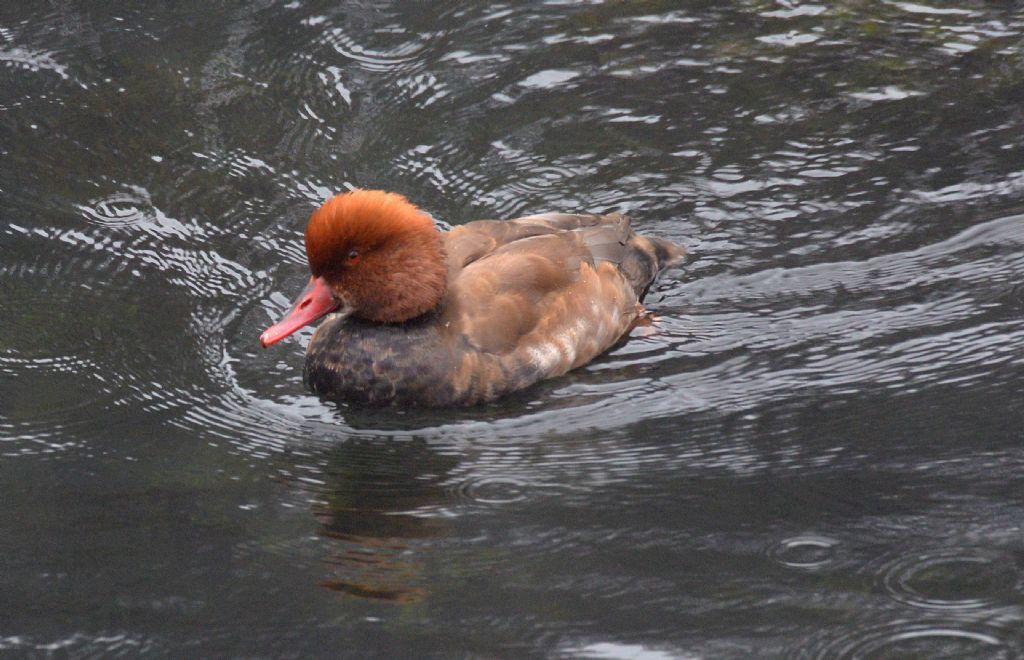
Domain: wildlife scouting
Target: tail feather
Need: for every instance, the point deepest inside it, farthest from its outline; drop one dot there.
(667, 253)
(647, 258)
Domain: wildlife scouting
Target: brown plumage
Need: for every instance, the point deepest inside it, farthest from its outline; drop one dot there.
(460, 317)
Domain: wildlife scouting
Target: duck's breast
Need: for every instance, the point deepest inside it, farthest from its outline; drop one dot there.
(365, 362)
(420, 362)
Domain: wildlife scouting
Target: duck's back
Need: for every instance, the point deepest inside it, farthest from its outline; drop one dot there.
(605, 238)
(527, 299)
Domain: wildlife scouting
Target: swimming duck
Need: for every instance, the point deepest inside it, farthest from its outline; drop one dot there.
(419, 316)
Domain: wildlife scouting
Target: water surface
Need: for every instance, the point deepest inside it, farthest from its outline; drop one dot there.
(817, 454)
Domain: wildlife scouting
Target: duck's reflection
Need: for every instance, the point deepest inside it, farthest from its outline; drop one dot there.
(380, 509)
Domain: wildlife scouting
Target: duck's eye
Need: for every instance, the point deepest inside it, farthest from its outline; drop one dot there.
(353, 254)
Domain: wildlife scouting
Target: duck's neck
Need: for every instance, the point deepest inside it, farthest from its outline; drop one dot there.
(414, 285)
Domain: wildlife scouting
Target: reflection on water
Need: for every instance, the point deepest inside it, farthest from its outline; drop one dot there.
(377, 507)
(814, 451)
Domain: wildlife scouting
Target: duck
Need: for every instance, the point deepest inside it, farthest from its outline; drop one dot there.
(413, 315)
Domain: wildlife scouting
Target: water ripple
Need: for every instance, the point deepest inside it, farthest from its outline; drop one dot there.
(932, 639)
(952, 579)
(491, 489)
(374, 59)
(807, 552)
(817, 386)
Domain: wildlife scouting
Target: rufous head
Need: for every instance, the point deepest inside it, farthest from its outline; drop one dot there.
(373, 255)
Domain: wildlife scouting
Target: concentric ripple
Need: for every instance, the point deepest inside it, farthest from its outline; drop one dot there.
(491, 490)
(937, 639)
(952, 579)
(807, 551)
(117, 210)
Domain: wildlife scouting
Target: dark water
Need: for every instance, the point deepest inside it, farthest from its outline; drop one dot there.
(818, 453)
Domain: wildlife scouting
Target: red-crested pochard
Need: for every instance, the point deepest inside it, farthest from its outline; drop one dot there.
(425, 317)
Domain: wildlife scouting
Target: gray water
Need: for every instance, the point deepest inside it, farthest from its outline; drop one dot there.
(817, 452)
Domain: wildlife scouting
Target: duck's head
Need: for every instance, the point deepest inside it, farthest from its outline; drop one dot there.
(373, 255)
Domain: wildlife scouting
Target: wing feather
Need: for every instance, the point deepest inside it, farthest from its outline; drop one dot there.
(561, 287)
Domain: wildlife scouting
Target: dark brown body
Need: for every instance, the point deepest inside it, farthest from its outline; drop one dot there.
(525, 300)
